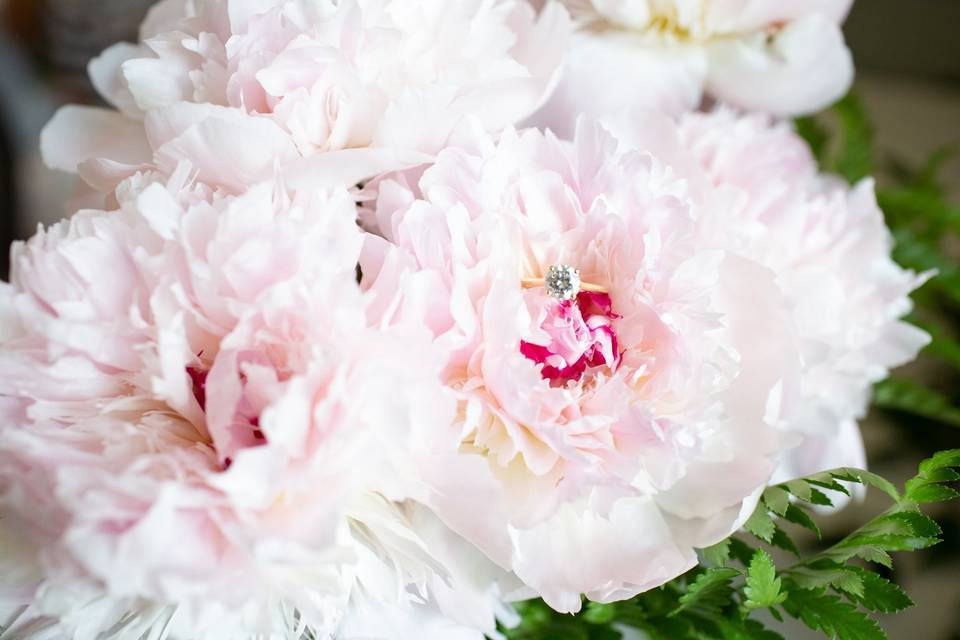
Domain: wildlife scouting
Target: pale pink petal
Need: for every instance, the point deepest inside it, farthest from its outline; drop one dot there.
(222, 145)
(632, 551)
(106, 74)
(77, 134)
(350, 166)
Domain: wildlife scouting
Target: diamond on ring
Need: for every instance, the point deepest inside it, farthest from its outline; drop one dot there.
(563, 282)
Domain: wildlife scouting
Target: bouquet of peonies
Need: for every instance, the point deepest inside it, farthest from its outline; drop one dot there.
(377, 317)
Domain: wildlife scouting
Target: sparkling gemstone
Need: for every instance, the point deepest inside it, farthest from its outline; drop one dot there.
(563, 282)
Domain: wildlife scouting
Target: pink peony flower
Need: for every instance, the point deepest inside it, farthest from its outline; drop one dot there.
(735, 309)
(205, 424)
(340, 89)
(623, 428)
(785, 58)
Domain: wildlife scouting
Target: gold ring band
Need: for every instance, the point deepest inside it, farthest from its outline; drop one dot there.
(562, 282)
(534, 283)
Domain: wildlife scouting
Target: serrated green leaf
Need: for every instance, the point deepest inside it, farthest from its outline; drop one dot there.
(897, 531)
(873, 554)
(914, 522)
(798, 516)
(804, 489)
(949, 459)
(933, 493)
(928, 486)
(867, 478)
(763, 588)
(710, 592)
(761, 524)
(718, 555)
(828, 574)
(829, 614)
(935, 476)
(826, 481)
(800, 488)
(879, 594)
(777, 499)
(818, 497)
(871, 547)
(849, 583)
(782, 541)
(831, 480)
(741, 551)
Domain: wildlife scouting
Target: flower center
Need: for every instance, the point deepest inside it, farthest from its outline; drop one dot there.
(577, 335)
(199, 377)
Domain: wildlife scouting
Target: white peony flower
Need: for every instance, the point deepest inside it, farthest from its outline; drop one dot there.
(784, 58)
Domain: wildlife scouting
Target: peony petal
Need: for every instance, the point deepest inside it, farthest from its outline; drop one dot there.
(618, 74)
(804, 68)
(106, 73)
(223, 146)
(741, 16)
(76, 134)
(627, 552)
(349, 167)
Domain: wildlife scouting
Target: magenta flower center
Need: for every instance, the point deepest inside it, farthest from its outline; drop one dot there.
(580, 337)
(199, 378)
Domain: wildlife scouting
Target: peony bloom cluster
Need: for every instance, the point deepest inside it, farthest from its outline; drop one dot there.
(201, 419)
(337, 352)
(781, 57)
(342, 89)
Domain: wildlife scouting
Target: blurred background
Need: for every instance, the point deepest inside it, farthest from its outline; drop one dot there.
(908, 60)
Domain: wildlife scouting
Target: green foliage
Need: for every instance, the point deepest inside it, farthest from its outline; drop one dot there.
(879, 594)
(761, 525)
(854, 158)
(901, 394)
(848, 151)
(710, 592)
(822, 611)
(718, 555)
(930, 484)
(830, 590)
(763, 587)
